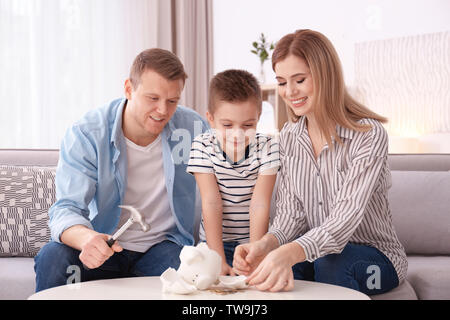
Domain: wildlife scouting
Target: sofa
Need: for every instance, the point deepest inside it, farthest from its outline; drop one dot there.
(419, 198)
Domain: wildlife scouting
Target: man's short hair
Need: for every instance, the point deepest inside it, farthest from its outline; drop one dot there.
(164, 62)
(234, 86)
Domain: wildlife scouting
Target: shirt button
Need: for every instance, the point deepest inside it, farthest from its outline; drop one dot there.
(320, 203)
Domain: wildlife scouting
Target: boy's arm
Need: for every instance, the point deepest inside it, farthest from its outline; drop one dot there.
(260, 206)
(262, 193)
(211, 210)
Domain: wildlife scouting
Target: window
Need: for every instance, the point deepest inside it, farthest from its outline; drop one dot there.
(61, 58)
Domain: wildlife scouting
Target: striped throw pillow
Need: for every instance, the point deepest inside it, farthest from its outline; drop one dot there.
(26, 194)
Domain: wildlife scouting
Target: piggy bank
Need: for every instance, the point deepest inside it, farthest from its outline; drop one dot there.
(200, 266)
(199, 270)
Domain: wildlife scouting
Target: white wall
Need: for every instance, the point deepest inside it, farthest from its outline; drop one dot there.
(237, 23)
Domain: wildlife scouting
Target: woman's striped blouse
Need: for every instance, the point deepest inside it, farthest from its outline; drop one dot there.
(340, 197)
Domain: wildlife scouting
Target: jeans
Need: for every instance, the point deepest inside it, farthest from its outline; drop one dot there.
(228, 248)
(358, 267)
(56, 264)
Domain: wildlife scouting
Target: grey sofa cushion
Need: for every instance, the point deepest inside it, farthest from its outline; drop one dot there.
(17, 278)
(403, 292)
(29, 157)
(419, 162)
(430, 276)
(420, 206)
(26, 194)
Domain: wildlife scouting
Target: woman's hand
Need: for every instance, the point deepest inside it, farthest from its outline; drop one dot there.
(274, 273)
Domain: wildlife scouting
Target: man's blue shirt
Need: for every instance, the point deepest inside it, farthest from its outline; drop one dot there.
(91, 176)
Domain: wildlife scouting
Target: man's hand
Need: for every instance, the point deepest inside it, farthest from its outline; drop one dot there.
(96, 251)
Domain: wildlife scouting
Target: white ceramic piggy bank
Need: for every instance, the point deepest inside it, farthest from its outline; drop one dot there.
(200, 266)
(199, 269)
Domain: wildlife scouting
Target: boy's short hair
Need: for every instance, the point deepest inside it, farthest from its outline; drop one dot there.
(234, 86)
(164, 62)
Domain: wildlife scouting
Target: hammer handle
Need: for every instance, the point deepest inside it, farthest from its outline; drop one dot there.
(119, 232)
(110, 242)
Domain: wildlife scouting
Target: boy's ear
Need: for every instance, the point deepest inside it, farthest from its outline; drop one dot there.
(210, 119)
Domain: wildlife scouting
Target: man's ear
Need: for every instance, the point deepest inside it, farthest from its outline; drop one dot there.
(128, 89)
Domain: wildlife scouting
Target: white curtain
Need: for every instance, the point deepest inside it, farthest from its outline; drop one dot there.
(61, 58)
(193, 43)
(187, 30)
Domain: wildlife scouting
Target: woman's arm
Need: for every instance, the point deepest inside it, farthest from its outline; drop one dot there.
(260, 206)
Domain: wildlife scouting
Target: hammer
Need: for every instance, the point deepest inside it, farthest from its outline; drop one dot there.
(135, 217)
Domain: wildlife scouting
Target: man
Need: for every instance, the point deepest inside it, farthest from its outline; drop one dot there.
(127, 152)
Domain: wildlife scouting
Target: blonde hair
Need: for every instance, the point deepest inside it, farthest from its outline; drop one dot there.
(332, 103)
(163, 62)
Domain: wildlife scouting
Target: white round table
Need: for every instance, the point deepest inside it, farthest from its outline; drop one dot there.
(150, 288)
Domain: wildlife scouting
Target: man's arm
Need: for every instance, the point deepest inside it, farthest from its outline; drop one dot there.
(77, 236)
(76, 183)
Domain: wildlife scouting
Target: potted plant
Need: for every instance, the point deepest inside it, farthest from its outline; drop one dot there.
(261, 48)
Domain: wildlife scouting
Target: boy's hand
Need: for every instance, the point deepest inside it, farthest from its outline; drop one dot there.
(248, 256)
(227, 270)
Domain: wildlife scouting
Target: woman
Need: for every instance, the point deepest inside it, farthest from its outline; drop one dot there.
(333, 223)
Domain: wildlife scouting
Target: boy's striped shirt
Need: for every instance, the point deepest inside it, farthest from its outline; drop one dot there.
(236, 181)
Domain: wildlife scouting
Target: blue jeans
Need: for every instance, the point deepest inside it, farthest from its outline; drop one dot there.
(55, 264)
(358, 267)
(228, 248)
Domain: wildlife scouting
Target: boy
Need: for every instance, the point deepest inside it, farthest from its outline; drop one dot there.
(235, 168)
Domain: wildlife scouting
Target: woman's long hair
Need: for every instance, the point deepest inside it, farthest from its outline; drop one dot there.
(332, 104)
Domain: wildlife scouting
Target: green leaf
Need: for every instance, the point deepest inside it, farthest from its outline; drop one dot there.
(264, 55)
(261, 48)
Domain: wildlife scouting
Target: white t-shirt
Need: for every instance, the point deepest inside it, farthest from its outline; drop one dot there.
(236, 180)
(146, 191)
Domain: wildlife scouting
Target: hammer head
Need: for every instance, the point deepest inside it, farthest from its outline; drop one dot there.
(136, 217)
